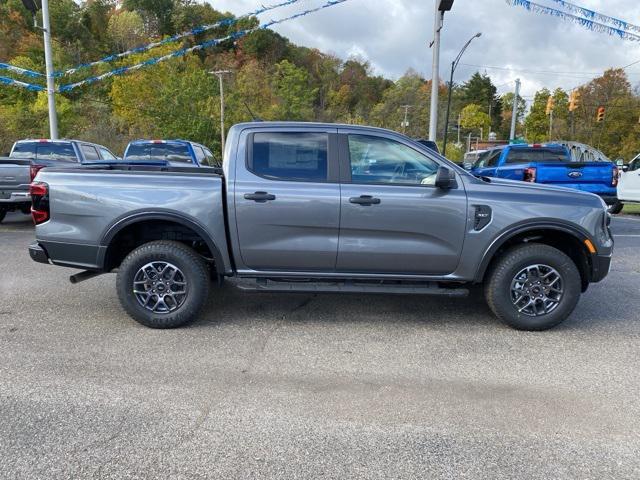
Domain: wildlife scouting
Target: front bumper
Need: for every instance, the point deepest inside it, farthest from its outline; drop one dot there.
(38, 254)
(609, 199)
(600, 267)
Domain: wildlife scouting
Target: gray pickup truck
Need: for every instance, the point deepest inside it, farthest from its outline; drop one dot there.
(304, 207)
(27, 157)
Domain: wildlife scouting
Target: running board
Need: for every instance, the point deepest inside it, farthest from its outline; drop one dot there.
(347, 286)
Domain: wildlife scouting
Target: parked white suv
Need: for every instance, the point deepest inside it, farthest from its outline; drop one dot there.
(629, 183)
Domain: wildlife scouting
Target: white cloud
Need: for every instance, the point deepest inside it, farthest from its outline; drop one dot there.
(394, 36)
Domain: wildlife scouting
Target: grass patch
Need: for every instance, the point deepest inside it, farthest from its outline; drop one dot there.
(631, 209)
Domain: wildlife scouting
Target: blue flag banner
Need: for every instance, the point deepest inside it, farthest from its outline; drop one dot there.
(183, 51)
(583, 22)
(592, 15)
(21, 71)
(16, 83)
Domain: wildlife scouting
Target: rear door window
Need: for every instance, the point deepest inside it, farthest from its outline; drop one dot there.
(106, 154)
(61, 152)
(200, 156)
(90, 153)
(295, 156)
(212, 161)
(488, 159)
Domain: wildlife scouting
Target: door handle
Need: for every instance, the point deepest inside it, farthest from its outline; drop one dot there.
(260, 197)
(365, 200)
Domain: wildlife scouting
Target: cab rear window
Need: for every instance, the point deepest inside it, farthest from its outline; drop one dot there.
(61, 152)
(526, 155)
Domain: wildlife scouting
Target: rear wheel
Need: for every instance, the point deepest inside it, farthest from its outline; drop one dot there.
(163, 284)
(533, 287)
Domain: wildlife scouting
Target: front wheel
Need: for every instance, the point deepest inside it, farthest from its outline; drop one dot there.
(533, 287)
(163, 284)
(615, 208)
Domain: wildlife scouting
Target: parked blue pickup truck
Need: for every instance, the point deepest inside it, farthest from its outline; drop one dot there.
(550, 164)
(177, 153)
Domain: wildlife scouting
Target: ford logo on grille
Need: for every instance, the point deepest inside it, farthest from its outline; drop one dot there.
(575, 174)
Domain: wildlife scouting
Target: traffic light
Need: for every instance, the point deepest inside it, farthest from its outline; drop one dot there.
(600, 115)
(551, 103)
(574, 100)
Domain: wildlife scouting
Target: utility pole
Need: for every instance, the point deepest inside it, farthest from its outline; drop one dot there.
(405, 122)
(219, 74)
(514, 111)
(48, 60)
(459, 118)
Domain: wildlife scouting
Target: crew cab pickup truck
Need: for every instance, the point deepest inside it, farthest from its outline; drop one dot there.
(179, 153)
(550, 164)
(305, 207)
(29, 156)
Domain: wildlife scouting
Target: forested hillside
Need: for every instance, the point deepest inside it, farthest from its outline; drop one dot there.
(272, 77)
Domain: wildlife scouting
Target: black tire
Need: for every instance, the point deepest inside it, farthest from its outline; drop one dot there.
(616, 208)
(191, 267)
(498, 287)
(3, 213)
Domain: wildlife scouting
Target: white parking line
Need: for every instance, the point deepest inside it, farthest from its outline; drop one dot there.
(630, 236)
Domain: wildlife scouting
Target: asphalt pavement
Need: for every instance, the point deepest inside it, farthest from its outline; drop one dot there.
(314, 386)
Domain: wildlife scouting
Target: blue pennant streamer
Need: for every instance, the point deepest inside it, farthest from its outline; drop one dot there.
(592, 15)
(16, 83)
(183, 51)
(21, 71)
(583, 22)
(175, 38)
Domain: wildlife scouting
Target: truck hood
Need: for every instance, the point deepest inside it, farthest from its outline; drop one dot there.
(539, 188)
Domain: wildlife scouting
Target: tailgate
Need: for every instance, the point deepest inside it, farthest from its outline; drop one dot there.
(14, 176)
(588, 176)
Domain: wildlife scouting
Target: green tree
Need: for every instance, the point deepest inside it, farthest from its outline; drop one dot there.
(126, 30)
(473, 117)
(295, 96)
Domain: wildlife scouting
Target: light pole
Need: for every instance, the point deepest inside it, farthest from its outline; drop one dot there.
(441, 6)
(33, 7)
(219, 74)
(454, 64)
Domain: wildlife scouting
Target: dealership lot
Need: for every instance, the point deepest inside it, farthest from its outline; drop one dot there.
(304, 386)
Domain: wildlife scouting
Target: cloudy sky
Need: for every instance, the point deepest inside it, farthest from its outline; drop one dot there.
(393, 35)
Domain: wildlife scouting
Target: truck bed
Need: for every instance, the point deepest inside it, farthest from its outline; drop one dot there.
(91, 203)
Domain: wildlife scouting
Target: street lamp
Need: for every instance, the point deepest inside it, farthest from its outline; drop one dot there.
(441, 6)
(454, 64)
(219, 74)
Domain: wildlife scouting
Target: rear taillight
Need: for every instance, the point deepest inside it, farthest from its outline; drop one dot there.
(616, 176)
(39, 192)
(530, 174)
(34, 169)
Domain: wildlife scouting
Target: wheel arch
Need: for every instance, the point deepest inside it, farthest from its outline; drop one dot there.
(566, 237)
(158, 217)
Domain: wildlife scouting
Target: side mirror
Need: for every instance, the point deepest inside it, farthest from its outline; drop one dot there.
(444, 178)
(624, 168)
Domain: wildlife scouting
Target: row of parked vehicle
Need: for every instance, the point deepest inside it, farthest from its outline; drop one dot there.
(27, 157)
(553, 164)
